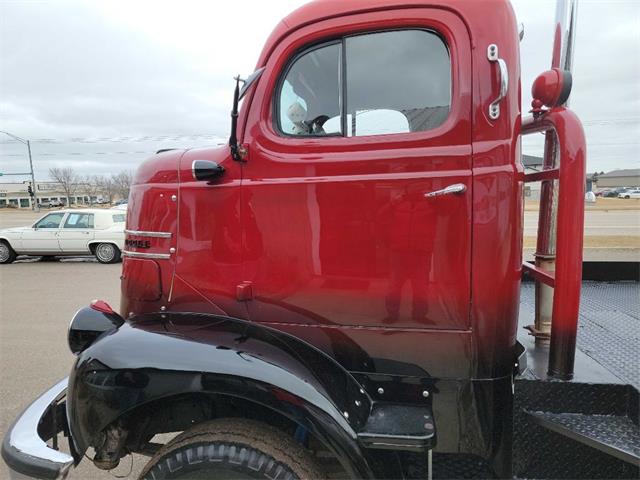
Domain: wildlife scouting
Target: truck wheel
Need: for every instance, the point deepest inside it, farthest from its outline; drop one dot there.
(232, 448)
(7, 254)
(107, 253)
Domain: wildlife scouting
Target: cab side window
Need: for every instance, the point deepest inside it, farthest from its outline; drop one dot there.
(390, 82)
(310, 92)
(79, 220)
(397, 82)
(50, 221)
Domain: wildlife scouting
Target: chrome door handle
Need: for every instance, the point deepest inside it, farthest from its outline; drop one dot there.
(455, 189)
(492, 55)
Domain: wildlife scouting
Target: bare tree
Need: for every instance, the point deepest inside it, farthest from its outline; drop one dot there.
(122, 183)
(106, 187)
(67, 178)
(91, 187)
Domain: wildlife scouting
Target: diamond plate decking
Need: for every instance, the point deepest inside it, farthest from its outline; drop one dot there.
(609, 327)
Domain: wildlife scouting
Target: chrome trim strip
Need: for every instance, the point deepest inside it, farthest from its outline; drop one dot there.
(24, 437)
(143, 233)
(161, 256)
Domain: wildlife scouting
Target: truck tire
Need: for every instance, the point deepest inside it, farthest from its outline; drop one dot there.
(7, 254)
(232, 448)
(107, 253)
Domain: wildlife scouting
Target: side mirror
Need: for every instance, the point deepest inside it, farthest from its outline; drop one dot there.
(206, 170)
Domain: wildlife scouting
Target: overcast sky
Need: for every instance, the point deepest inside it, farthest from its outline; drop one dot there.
(100, 85)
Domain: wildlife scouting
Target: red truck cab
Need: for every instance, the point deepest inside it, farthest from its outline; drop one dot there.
(344, 230)
(337, 289)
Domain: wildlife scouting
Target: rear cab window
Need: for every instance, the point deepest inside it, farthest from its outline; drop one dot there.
(119, 218)
(368, 84)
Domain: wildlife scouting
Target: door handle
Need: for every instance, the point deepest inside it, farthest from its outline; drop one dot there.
(492, 55)
(455, 189)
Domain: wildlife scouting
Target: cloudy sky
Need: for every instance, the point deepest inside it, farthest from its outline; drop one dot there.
(100, 85)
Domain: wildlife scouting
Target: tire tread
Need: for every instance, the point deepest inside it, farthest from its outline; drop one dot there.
(242, 441)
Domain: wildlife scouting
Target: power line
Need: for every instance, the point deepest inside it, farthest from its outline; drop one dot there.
(124, 139)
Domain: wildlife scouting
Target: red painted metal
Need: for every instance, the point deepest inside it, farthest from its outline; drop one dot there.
(551, 174)
(547, 87)
(101, 306)
(540, 274)
(569, 234)
(353, 240)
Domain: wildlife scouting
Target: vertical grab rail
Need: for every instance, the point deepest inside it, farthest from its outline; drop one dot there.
(567, 278)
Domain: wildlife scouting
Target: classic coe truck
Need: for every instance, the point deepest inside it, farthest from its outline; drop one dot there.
(336, 291)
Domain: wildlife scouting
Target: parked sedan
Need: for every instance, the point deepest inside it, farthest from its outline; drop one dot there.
(630, 193)
(613, 193)
(67, 232)
(55, 203)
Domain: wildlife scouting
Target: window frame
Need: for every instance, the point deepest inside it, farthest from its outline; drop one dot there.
(276, 123)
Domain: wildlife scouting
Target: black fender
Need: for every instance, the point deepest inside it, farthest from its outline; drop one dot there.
(156, 356)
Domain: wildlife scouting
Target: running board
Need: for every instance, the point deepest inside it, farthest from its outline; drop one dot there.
(392, 426)
(614, 435)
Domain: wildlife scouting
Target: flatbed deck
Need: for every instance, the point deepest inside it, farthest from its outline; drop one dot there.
(608, 333)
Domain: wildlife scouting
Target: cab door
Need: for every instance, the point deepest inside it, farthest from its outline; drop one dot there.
(76, 233)
(43, 236)
(356, 192)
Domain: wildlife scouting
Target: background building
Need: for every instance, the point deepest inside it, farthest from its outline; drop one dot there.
(620, 178)
(17, 195)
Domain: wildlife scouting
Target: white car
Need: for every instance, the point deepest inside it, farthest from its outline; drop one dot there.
(68, 232)
(630, 193)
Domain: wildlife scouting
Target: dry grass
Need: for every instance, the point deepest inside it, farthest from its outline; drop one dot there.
(602, 204)
(599, 241)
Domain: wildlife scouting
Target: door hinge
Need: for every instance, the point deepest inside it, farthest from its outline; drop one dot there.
(244, 291)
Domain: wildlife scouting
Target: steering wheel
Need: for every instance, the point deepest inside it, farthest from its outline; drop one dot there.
(315, 125)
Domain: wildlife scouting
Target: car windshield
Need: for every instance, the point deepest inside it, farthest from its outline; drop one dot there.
(50, 221)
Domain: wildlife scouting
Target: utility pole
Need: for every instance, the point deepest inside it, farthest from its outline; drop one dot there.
(34, 198)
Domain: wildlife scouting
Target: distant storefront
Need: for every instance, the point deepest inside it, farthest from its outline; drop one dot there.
(17, 195)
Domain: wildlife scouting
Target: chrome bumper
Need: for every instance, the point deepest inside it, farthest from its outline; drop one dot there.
(24, 448)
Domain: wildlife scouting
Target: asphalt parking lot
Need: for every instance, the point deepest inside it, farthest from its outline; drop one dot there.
(37, 301)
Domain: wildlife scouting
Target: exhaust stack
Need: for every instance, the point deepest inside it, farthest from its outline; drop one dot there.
(560, 360)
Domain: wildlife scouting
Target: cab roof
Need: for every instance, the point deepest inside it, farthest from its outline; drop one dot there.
(319, 10)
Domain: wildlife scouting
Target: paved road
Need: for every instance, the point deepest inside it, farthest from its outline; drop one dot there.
(37, 301)
(616, 222)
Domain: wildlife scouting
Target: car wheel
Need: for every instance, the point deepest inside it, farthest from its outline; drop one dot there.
(107, 253)
(7, 254)
(232, 449)
(627, 196)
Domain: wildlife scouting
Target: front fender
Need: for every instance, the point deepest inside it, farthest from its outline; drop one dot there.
(157, 356)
